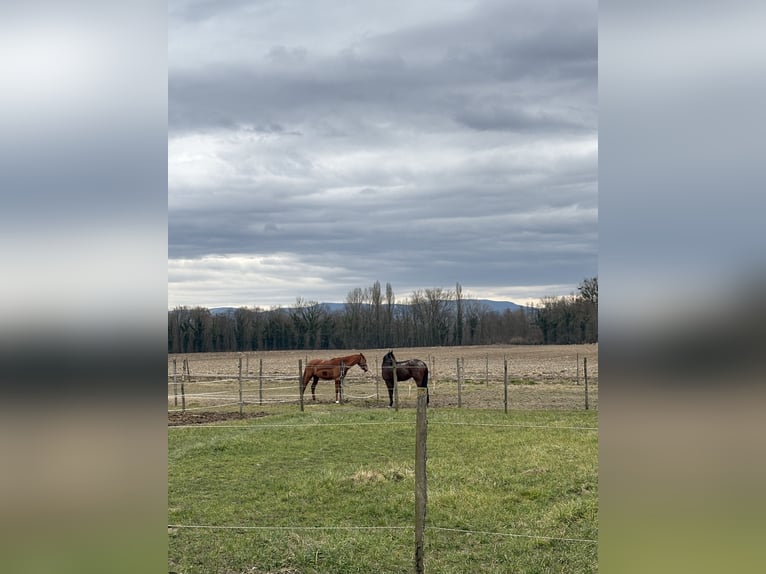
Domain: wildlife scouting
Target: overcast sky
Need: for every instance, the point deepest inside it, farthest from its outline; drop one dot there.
(316, 146)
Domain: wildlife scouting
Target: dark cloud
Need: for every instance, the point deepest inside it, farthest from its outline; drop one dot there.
(514, 53)
(501, 117)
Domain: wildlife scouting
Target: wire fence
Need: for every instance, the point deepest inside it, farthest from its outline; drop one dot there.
(430, 527)
(411, 528)
(220, 386)
(514, 378)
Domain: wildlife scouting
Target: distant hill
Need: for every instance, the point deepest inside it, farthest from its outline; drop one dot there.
(489, 304)
(499, 306)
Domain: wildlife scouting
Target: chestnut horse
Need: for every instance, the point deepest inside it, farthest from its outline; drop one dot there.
(334, 368)
(410, 369)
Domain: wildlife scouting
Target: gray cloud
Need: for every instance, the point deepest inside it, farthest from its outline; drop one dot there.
(422, 151)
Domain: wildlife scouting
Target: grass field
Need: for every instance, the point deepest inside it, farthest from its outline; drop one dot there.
(331, 490)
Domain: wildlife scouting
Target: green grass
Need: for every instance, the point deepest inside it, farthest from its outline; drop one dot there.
(518, 489)
(522, 382)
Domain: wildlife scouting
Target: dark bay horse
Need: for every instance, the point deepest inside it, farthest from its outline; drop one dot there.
(410, 369)
(330, 369)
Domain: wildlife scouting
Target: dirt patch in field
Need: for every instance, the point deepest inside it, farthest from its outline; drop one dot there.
(203, 417)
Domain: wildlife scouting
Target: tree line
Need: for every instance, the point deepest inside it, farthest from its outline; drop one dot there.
(372, 318)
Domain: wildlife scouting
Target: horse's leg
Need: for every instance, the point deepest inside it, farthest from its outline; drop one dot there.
(314, 388)
(337, 391)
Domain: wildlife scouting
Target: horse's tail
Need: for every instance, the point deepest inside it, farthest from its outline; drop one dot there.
(308, 372)
(425, 384)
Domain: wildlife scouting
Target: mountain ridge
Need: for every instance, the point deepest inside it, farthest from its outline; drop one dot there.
(490, 304)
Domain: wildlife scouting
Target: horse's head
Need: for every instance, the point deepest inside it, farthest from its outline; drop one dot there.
(362, 362)
(389, 359)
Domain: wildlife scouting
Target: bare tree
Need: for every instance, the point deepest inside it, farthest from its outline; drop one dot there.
(376, 301)
(438, 315)
(308, 318)
(459, 312)
(589, 290)
(354, 317)
(390, 302)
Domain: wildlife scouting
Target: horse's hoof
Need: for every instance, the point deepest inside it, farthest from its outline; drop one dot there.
(337, 402)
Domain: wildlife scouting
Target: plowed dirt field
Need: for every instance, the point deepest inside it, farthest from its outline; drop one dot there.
(538, 377)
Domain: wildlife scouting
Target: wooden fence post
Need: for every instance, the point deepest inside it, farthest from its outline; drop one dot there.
(300, 381)
(186, 377)
(459, 385)
(260, 381)
(421, 490)
(505, 385)
(240, 385)
(396, 390)
(486, 370)
(585, 376)
(577, 362)
(377, 381)
(175, 384)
